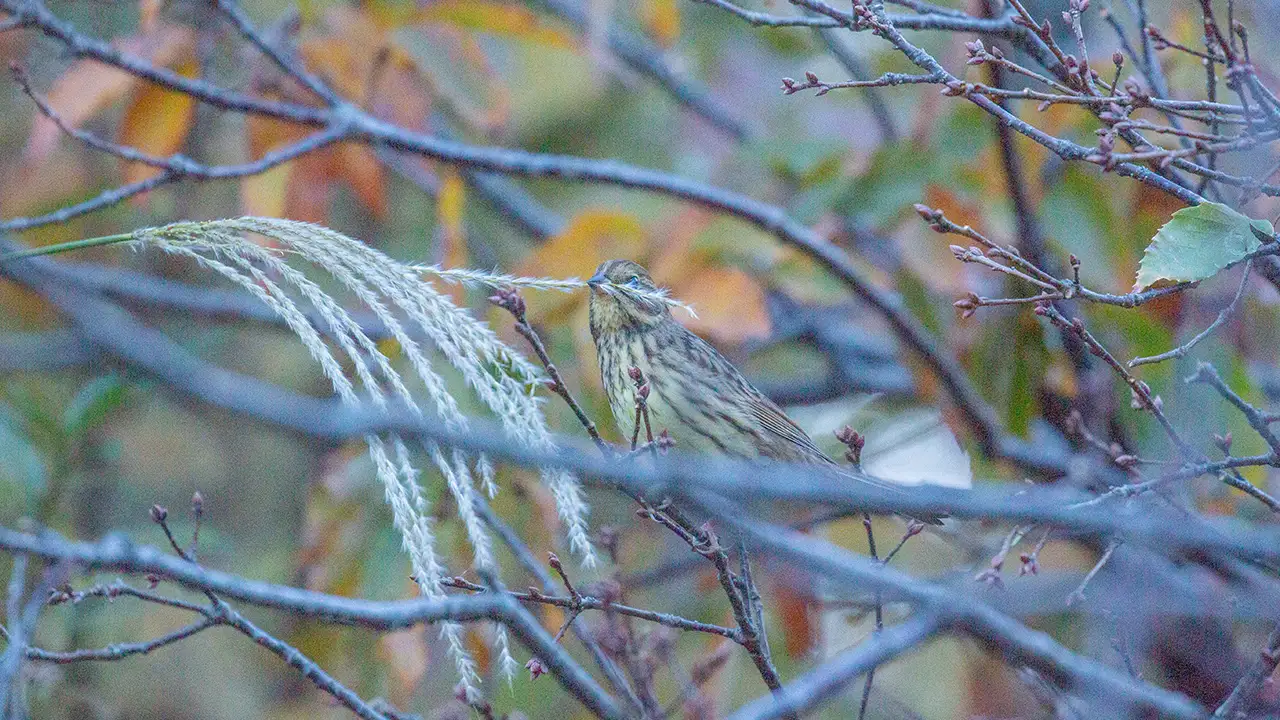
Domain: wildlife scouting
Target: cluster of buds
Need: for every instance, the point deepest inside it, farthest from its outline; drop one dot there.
(664, 441)
(1044, 30)
(966, 254)
(536, 668)
(509, 299)
(864, 18)
(931, 216)
(968, 305)
(1115, 451)
(1106, 146)
(1139, 401)
(1030, 564)
(1223, 442)
(978, 53)
(1077, 68)
(642, 385)
(1074, 9)
(854, 441)
(790, 86)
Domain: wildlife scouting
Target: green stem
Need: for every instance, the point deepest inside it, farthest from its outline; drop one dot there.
(64, 247)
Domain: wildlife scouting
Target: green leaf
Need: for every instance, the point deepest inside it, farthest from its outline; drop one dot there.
(19, 459)
(90, 406)
(1198, 242)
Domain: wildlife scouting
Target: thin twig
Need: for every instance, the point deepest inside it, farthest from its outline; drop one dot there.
(1077, 595)
(1238, 702)
(590, 602)
(1223, 315)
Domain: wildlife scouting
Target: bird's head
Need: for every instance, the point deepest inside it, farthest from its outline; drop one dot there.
(623, 296)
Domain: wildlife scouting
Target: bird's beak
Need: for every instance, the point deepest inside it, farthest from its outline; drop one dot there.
(595, 281)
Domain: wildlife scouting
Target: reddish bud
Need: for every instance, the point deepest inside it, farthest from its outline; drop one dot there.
(1030, 565)
(159, 513)
(664, 440)
(1223, 442)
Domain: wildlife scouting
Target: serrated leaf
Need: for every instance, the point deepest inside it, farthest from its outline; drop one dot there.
(91, 405)
(1197, 242)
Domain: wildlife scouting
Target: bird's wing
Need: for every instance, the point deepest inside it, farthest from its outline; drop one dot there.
(773, 420)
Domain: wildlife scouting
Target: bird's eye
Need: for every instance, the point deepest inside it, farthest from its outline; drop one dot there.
(633, 281)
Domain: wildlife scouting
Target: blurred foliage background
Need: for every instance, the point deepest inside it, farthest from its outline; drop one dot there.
(87, 450)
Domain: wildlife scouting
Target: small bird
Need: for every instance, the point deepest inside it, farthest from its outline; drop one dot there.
(695, 394)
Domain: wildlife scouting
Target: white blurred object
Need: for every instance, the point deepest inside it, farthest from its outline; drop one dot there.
(912, 447)
(916, 448)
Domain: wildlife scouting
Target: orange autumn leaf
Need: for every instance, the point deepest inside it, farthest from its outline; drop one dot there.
(931, 260)
(157, 122)
(792, 606)
(399, 93)
(347, 55)
(310, 189)
(404, 654)
(359, 167)
(477, 648)
(450, 207)
(730, 305)
(88, 87)
(552, 618)
(590, 238)
(496, 18)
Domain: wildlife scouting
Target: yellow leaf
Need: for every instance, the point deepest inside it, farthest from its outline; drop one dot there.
(450, 206)
(263, 195)
(450, 209)
(264, 134)
(88, 87)
(592, 237)
(662, 19)
(496, 18)
(157, 122)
